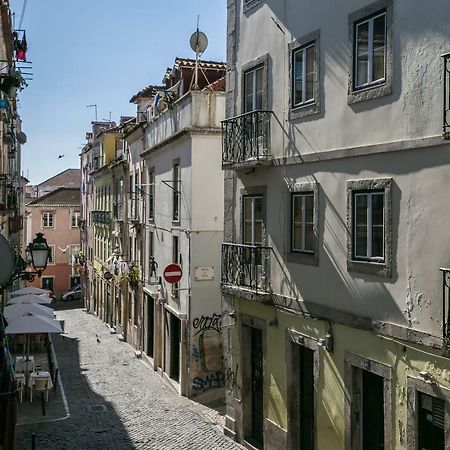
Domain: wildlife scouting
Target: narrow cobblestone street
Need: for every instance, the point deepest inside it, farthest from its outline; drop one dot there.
(114, 400)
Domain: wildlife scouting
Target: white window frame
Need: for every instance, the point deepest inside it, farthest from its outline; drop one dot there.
(368, 256)
(302, 50)
(303, 196)
(370, 21)
(252, 72)
(253, 221)
(76, 215)
(46, 217)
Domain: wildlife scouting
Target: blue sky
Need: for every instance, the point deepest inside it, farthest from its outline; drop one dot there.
(103, 52)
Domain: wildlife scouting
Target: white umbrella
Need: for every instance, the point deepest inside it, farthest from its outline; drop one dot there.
(30, 298)
(11, 312)
(32, 323)
(29, 290)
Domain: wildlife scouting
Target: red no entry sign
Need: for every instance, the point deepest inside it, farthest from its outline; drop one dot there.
(172, 273)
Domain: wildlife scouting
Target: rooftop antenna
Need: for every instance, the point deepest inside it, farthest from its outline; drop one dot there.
(93, 106)
(199, 43)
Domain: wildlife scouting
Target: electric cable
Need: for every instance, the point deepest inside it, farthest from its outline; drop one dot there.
(24, 6)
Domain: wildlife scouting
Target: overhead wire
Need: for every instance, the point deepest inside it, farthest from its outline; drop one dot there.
(22, 14)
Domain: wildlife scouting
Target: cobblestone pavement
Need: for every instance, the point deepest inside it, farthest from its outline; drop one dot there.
(115, 401)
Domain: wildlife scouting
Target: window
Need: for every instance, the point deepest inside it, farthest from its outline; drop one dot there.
(428, 409)
(47, 283)
(51, 254)
(253, 220)
(303, 222)
(370, 51)
(176, 188)
(151, 195)
(253, 89)
(369, 226)
(303, 77)
(368, 409)
(47, 220)
(368, 233)
(370, 74)
(76, 217)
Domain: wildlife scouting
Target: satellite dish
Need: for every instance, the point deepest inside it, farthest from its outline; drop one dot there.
(21, 137)
(198, 42)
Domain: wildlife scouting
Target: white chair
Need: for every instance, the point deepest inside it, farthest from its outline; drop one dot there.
(20, 384)
(40, 385)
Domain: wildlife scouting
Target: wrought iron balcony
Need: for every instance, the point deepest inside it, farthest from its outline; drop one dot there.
(446, 121)
(101, 217)
(246, 138)
(246, 266)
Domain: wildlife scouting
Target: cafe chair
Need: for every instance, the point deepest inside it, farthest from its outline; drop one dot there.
(20, 384)
(40, 385)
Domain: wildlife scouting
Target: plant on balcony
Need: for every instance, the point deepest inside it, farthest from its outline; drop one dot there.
(132, 276)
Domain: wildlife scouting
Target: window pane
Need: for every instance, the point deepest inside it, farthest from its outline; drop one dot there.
(297, 208)
(249, 91)
(297, 236)
(259, 89)
(309, 208)
(258, 208)
(247, 208)
(377, 241)
(379, 44)
(309, 237)
(298, 77)
(309, 95)
(258, 233)
(361, 225)
(362, 56)
(377, 209)
(247, 233)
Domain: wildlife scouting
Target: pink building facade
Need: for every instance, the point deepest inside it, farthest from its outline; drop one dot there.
(57, 215)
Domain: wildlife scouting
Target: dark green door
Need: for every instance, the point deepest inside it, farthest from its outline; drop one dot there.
(431, 422)
(257, 387)
(373, 411)
(306, 400)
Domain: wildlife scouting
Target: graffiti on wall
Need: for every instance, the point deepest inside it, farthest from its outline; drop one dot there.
(206, 352)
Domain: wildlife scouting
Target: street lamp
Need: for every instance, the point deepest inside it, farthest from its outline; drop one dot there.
(37, 255)
(39, 252)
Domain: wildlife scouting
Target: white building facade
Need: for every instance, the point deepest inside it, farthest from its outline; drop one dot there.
(335, 224)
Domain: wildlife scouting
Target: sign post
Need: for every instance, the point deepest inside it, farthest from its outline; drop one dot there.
(173, 273)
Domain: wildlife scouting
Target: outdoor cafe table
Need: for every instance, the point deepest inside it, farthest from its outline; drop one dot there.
(21, 364)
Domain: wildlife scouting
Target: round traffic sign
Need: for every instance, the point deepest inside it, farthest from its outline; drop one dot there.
(172, 273)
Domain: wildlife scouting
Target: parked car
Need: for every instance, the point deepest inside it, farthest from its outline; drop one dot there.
(73, 294)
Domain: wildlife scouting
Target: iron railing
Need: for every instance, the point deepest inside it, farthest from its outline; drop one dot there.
(246, 137)
(246, 266)
(101, 217)
(445, 302)
(446, 115)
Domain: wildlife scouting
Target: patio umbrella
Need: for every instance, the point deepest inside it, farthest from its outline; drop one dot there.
(12, 312)
(32, 323)
(30, 298)
(29, 290)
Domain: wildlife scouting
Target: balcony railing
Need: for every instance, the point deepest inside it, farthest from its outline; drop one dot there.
(246, 266)
(101, 217)
(246, 137)
(446, 121)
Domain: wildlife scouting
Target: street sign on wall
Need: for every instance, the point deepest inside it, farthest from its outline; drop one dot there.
(173, 273)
